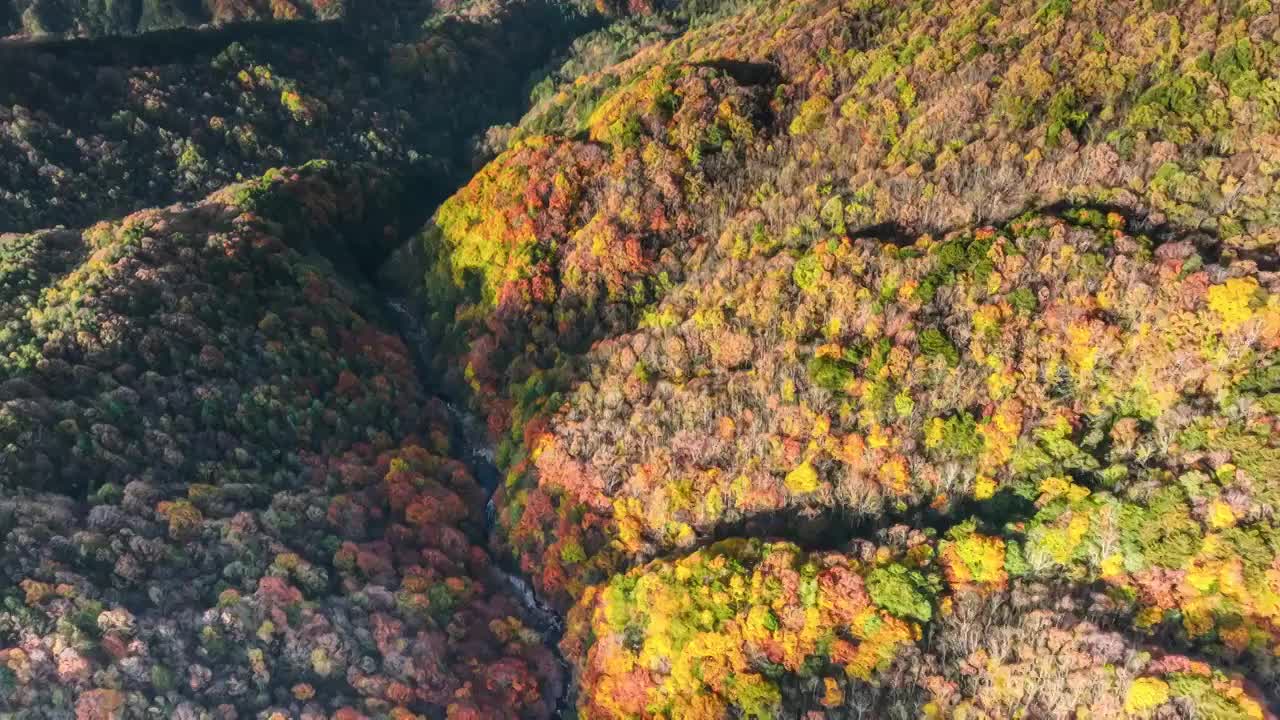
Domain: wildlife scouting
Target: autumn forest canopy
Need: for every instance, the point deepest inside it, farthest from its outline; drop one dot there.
(639, 359)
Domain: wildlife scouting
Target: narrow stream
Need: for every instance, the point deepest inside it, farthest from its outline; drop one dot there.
(472, 446)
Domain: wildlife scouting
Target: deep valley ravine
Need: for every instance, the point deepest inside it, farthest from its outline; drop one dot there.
(471, 445)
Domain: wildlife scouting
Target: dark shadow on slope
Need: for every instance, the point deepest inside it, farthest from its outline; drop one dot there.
(834, 528)
(746, 73)
(1137, 222)
(891, 232)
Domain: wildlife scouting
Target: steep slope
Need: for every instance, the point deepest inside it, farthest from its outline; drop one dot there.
(224, 489)
(998, 278)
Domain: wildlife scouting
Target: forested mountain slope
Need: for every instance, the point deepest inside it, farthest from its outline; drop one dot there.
(96, 129)
(837, 359)
(224, 488)
(976, 302)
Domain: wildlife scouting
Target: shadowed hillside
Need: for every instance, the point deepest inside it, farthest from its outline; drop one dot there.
(96, 129)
